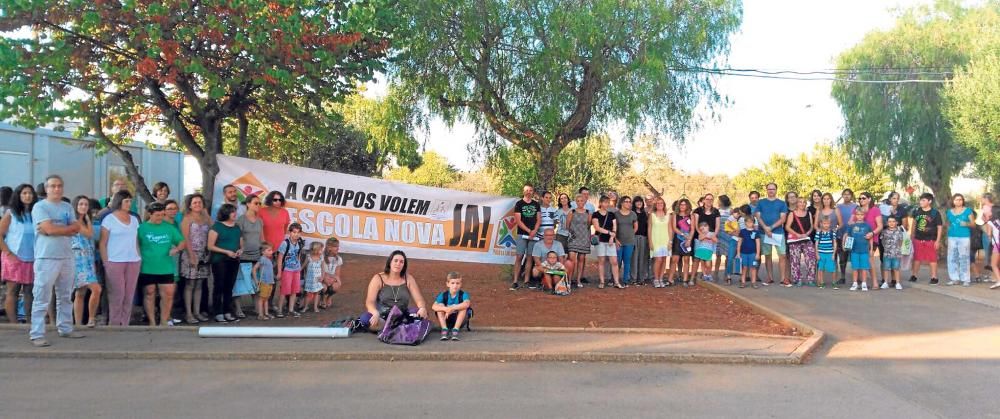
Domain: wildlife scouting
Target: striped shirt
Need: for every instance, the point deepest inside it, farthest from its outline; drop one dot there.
(824, 241)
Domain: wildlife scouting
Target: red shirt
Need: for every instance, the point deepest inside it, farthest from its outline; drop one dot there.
(275, 226)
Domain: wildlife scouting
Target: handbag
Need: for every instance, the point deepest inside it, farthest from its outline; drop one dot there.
(403, 328)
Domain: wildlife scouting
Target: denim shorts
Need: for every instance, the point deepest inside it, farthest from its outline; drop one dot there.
(890, 264)
(748, 260)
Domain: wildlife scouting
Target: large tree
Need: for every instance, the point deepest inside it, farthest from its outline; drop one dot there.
(973, 107)
(541, 74)
(903, 123)
(190, 67)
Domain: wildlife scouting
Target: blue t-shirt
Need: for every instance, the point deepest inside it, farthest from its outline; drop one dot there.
(60, 214)
(955, 230)
(291, 262)
(770, 212)
(445, 298)
(858, 232)
(749, 244)
(266, 273)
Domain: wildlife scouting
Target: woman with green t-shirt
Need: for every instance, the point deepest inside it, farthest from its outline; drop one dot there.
(158, 243)
(226, 244)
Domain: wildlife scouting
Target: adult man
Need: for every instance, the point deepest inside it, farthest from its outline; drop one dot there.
(55, 222)
(117, 185)
(754, 198)
(586, 198)
(926, 225)
(542, 249)
(770, 215)
(527, 218)
(229, 196)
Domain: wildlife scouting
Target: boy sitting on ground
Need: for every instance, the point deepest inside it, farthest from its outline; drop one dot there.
(452, 307)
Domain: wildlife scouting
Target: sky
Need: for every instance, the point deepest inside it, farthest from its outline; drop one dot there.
(765, 116)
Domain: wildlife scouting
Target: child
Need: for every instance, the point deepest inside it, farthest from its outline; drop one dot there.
(892, 245)
(553, 271)
(314, 277)
(290, 269)
(704, 249)
(331, 271)
(749, 245)
(826, 247)
(263, 276)
(858, 241)
(732, 227)
(452, 306)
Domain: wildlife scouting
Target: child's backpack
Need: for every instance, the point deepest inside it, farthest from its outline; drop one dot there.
(302, 250)
(562, 287)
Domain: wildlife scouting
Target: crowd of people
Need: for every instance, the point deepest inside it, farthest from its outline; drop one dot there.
(643, 240)
(92, 256)
(83, 261)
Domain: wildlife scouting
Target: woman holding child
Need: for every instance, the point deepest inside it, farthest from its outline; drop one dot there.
(392, 287)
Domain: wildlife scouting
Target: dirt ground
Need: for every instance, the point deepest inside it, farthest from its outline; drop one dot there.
(495, 305)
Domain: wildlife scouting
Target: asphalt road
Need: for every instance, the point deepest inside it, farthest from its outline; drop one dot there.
(908, 355)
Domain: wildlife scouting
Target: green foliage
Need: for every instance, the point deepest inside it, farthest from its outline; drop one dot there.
(540, 74)
(186, 67)
(434, 171)
(827, 168)
(590, 162)
(904, 124)
(973, 108)
(360, 136)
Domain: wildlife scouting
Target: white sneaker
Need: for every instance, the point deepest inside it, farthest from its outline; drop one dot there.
(950, 283)
(885, 285)
(899, 286)
(854, 286)
(864, 286)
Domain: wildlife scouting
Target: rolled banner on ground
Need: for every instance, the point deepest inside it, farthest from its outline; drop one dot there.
(274, 332)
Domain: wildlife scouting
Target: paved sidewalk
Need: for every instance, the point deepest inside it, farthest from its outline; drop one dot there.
(474, 346)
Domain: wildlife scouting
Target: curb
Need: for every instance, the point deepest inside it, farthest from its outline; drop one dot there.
(944, 290)
(491, 329)
(814, 336)
(696, 358)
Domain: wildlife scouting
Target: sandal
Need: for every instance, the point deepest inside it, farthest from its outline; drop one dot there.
(190, 320)
(261, 317)
(619, 286)
(92, 324)
(995, 286)
(600, 285)
(743, 285)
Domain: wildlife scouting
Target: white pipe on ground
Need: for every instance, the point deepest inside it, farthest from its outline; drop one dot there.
(274, 332)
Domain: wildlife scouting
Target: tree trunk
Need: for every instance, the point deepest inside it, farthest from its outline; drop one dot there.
(209, 163)
(547, 166)
(942, 191)
(141, 189)
(242, 140)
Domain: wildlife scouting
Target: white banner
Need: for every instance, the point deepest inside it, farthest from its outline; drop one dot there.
(375, 217)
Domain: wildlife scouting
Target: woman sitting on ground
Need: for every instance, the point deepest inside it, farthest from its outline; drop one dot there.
(392, 287)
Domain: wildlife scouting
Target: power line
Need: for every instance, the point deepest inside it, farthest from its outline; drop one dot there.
(807, 75)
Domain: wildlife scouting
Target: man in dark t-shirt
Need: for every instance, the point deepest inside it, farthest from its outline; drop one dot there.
(926, 226)
(528, 221)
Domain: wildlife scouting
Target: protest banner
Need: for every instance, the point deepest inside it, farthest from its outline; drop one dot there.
(375, 216)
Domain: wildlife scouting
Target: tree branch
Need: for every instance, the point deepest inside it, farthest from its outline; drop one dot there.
(174, 121)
